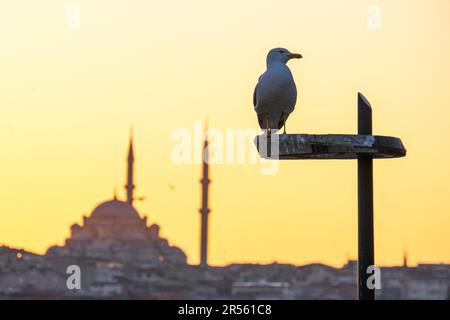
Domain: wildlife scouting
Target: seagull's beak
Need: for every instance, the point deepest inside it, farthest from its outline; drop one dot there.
(295, 56)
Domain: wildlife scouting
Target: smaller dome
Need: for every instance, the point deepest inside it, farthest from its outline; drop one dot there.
(115, 209)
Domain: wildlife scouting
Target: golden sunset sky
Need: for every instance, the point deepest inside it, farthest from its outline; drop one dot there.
(68, 98)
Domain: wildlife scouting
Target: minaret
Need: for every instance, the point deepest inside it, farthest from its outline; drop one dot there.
(130, 159)
(204, 211)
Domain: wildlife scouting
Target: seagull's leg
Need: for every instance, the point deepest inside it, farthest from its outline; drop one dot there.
(268, 145)
(267, 122)
(284, 128)
(267, 125)
(285, 116)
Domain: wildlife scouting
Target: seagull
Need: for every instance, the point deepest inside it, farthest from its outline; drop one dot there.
(275, 93)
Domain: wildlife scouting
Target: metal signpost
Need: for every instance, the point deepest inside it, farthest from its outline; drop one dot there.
(364, 147)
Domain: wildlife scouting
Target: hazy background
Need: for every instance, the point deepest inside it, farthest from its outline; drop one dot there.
(68, 98)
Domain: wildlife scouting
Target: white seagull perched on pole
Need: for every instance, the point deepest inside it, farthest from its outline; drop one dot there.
(275, 94)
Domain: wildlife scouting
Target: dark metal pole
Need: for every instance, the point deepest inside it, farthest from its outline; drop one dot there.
(204, 211)
(365, 204)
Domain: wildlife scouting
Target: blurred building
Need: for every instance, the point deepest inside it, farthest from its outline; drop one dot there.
(115, 230)
(262, 290)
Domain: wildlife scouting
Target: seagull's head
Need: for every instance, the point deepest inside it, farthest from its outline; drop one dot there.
(281, 55)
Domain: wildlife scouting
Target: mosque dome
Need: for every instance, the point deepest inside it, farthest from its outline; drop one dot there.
(115, 209)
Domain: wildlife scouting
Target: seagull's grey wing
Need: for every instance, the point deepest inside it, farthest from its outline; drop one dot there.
(255, 101)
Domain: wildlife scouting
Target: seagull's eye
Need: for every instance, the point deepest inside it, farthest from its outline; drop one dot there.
(281, 51)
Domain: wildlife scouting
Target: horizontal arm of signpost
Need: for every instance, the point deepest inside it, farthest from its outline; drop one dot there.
(329, 146)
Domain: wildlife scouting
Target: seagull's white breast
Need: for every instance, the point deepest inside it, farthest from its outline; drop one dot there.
(276, 90)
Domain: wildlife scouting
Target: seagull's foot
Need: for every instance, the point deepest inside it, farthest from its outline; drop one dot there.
(284, 119)
(267, 125)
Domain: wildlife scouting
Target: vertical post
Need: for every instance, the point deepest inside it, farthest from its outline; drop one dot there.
(365, 204)
(130, 185)
(204, 210)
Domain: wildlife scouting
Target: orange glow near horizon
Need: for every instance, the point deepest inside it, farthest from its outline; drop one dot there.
(69, 97)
